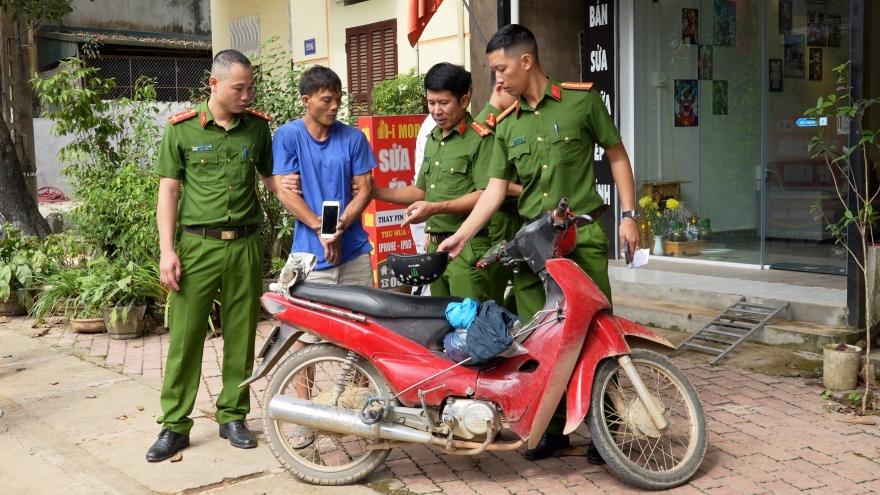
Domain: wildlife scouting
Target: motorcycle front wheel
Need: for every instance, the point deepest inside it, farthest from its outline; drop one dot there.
(627, 438)
(314, 456)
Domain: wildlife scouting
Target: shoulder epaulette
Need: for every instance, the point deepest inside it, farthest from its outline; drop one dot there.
(581, 86)
(482, 130)
(258, 114)
(506, 112)
(180, 117)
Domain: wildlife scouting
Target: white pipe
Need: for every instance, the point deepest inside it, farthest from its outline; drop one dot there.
(514, 11)
(459, 14)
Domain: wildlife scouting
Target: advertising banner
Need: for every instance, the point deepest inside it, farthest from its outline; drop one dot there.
(393, 141)
(599, 49)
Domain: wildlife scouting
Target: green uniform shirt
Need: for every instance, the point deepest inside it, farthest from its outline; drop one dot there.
(551, 148)
(216, 167)
(454, 166)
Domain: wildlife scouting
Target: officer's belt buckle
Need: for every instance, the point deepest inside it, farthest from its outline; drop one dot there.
(227, 235)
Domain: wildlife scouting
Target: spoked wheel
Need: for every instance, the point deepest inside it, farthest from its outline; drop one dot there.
(321, 457)
(627, 437)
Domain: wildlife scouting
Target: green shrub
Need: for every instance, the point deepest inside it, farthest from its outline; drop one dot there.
(403, 95)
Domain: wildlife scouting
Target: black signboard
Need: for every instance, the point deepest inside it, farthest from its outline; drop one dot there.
(599, 51)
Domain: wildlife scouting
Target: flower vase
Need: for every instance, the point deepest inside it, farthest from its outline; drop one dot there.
(658, 246)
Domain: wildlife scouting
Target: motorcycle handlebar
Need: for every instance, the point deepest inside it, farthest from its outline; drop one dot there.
(559, 214)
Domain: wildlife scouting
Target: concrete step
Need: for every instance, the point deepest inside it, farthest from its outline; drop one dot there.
(818, 305)
(799, 335)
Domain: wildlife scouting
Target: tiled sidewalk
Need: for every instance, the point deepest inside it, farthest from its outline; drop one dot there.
(767, 435)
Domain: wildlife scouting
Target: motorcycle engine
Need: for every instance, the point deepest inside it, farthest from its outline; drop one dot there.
(471, 418)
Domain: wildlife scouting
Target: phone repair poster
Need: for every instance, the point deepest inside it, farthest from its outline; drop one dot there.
(393, 140)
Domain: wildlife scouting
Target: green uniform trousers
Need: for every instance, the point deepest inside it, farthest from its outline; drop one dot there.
(208, 264)
(462, 278)
(502, 227)
(591, 254)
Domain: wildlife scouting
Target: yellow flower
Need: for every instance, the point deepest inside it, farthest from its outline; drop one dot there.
(644, 202)
(672, 204)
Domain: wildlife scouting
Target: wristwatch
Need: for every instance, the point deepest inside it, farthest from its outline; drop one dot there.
(634, 214)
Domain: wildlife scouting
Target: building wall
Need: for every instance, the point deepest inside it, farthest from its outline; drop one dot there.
(176, 17)
(444, 40)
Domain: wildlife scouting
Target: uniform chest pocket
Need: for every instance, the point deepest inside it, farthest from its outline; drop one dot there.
(204, 168)
(245, 171)
(519, 156)
(568, 147)
(455, 178)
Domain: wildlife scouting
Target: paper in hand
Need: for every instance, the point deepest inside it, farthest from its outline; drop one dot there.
(640, 258)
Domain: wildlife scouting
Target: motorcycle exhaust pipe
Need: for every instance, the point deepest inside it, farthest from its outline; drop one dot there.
(339, 420)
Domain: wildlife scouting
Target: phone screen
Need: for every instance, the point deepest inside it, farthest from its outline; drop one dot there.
(329, 219)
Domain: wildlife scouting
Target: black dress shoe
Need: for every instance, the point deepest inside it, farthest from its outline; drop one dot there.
(238, 434)
(168, 444)
(550, 442)
(593, 456)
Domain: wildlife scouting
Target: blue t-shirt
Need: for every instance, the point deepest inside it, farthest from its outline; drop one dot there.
(326, 169)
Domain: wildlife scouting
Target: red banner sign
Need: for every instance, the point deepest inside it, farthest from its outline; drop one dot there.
(393, 141)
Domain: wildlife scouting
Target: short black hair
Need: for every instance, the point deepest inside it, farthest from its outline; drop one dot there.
(319, 78)
(225, 59)
(513, 38)
(446, 76)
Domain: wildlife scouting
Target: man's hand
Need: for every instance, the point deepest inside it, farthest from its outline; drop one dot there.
(332, 249)
(419, 212)
(292, 183)
(169, 270)
(453, 244)
(629, 231)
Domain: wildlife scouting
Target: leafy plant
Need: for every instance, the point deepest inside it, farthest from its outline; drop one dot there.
(843, 105)
(119, 285)
(109, 160)
(21, 259)
(403, 95)
(660, 215)
(827, 394)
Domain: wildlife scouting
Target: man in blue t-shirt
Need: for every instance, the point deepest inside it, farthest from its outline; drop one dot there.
(329, 156)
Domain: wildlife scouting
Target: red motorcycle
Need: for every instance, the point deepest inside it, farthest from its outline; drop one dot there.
(333, 411)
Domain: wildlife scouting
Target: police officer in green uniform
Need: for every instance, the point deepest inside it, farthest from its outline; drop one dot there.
(506, 221)
(547, 137)
(212, 151)
(452, 178)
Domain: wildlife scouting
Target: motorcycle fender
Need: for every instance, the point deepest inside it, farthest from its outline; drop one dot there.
(276, 345)
(607, 337)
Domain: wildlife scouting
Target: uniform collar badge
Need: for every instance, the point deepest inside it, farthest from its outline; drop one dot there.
(203, 119)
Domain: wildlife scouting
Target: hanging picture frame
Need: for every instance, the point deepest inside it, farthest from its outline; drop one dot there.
(817, 28)
(686, 103)
(690, 22)
(785, 13)
(775, 71)
(794, 56)
(834, 31)
(705, 62)
(815, 64)
(720, 98)
(724, 27)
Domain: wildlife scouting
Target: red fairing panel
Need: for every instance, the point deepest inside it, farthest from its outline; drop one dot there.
(606, 338)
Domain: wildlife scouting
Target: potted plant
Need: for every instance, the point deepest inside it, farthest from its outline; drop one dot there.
(121, 290)
(20, 261)
(858, 219)
(62, 292)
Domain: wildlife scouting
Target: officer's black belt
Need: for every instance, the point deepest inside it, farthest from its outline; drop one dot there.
(226, 235)
(438, 238)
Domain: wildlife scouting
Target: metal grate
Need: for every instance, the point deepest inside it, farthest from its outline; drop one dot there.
(175, 78)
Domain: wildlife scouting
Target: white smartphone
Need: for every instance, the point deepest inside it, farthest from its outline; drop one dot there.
(329, 218)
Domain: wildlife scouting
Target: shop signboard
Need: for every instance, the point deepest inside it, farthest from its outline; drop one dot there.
(599, 49)
(393, 141)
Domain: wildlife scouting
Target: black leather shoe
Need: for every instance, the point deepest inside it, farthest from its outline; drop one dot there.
(238, 434)
(168, 444)
(593, 456)
(550, 442)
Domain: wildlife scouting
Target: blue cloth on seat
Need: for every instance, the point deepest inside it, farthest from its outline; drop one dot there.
(460, 315)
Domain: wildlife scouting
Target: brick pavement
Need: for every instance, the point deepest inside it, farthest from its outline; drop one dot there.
(767, 435)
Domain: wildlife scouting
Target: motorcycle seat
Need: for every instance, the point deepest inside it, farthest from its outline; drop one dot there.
(374, 302)
(417, 318)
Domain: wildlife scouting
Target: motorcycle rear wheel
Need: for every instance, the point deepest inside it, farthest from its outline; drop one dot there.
(628, 440)
(331, 458)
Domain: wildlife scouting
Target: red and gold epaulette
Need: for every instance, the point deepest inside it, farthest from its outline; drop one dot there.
(180, 117)
(506, 112)
(482, 130)
(258, 114)
(490, 119)
(581, 86)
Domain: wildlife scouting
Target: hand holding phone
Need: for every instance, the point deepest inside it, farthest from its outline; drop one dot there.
(329, 219)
